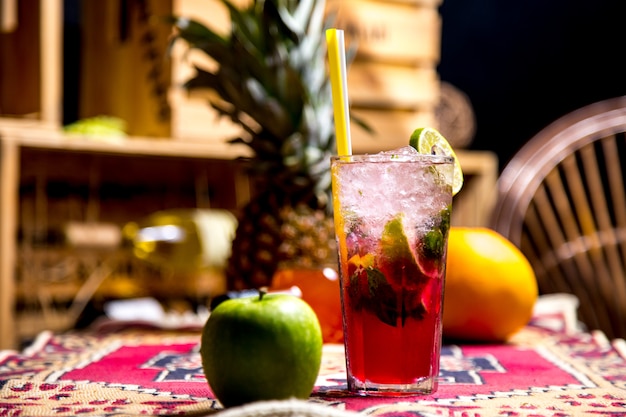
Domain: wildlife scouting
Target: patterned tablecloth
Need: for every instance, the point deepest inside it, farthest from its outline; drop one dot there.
(545, 370)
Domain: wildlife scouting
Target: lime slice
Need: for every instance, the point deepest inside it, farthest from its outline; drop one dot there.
(398, 262)
(429, 141)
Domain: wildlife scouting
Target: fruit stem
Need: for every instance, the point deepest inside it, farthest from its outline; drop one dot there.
(262, 292)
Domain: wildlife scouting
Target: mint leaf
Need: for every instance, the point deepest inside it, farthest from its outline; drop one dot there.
(390, 284)
(444, 219)
(370, 290)
(431, 247)
(383, 300)
(413, 306)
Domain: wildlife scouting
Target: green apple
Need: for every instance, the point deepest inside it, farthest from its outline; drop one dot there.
(265, 347)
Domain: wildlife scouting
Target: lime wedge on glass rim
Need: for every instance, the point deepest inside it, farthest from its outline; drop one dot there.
(429, 141)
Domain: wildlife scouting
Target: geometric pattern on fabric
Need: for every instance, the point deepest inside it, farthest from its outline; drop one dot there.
(540, 372)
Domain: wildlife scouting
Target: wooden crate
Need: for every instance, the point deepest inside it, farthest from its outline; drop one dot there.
(192, 119)
(473, 205)
(124, 69)
(30, 62)
(390, 31)
(392, 128)
(373, 84)
(393, 83)
(395, 67)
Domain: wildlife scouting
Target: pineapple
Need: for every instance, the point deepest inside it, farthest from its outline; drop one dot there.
(271, 79)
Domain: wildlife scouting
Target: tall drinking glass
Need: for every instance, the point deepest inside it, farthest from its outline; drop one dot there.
(392, 216)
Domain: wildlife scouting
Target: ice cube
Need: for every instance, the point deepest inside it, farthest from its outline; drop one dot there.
(405, 150)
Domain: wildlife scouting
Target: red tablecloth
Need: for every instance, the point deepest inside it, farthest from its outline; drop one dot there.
(543, 371)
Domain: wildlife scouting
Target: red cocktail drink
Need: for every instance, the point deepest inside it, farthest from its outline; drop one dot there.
(392, 216)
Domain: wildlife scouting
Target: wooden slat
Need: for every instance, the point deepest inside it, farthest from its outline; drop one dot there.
(616, 188)
(608, 264)
(583, 196)
(20, 65)
(573, 265)
(613, 276)
(51, 61)
(584, 251)
(565, 240)
(382, 85)
(549, 220)
(589, 200)
(534, 243)
(126, 76)
(8, 16)
(8, 213)
(388, 31)
(578, 198)
(392, 128)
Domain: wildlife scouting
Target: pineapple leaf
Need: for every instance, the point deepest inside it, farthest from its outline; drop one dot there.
(194, 32)
(297, 21)
(271, 79)
(198, 36)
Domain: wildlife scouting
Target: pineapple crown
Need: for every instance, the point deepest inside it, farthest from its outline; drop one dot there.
(272, 80)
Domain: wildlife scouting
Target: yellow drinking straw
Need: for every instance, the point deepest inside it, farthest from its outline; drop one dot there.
(339, 85)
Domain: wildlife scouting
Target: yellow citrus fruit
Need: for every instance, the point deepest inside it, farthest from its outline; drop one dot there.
(490, 286)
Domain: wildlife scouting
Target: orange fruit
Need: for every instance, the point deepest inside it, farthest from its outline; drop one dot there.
(490, 286)
(320, 289)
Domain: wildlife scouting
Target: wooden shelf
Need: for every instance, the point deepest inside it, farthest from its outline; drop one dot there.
(35, 136)
(472, 206)
(48, 178)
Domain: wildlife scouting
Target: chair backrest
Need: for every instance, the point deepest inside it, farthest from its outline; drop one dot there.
(561, 200)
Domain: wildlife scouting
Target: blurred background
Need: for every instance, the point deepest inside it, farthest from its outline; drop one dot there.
(524, 64)
(76, 209)
(521, 64)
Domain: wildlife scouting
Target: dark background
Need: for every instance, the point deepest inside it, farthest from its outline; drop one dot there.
(525, 63)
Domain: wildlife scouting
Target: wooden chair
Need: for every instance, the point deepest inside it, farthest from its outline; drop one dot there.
(561, 200)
